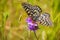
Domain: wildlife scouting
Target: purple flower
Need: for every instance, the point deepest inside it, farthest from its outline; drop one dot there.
(31, 25)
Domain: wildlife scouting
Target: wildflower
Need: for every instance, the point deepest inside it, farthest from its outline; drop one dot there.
(32, 24)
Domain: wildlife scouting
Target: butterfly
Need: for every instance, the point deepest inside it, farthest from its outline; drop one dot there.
(35, 12)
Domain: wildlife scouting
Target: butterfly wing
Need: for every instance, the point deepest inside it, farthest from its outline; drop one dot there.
(44, 19)
(32, 11)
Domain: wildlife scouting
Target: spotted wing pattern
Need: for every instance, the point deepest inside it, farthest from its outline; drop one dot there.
(44, 19)
(32, 11)
(35, 13)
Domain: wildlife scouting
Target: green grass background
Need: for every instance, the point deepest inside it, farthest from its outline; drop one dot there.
(13, 24)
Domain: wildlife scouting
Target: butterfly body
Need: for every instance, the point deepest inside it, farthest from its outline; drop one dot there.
(35, 13)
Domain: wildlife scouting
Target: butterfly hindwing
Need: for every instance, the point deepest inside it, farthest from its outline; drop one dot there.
(44, 19)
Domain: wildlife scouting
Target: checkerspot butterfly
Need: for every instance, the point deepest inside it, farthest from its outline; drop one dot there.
(35, 12)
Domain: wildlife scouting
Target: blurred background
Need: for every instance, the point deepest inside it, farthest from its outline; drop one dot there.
(13, 24)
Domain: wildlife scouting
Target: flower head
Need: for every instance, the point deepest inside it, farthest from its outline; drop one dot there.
(32, 25)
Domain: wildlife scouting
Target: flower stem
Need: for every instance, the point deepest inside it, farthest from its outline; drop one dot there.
(35, 35)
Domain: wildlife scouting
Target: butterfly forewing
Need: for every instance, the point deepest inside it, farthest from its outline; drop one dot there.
(32, 11)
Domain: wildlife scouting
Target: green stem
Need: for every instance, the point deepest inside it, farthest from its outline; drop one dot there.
(35, 35)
